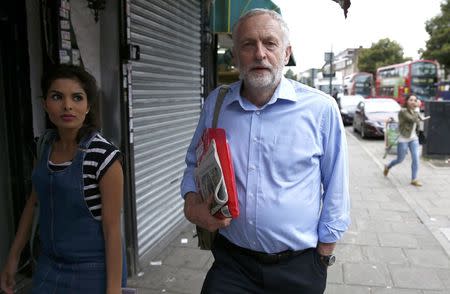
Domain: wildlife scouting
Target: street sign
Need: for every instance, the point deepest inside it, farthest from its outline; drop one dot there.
(328, 57)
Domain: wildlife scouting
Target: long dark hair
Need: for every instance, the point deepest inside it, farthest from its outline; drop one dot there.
(407, 96)
(89, 85)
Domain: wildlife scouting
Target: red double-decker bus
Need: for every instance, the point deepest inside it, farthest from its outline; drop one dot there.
(413, 77)
(360, 83)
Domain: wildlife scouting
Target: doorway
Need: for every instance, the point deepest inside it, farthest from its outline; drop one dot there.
(16, 142)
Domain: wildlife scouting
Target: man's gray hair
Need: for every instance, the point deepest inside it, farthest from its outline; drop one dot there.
(257, 11)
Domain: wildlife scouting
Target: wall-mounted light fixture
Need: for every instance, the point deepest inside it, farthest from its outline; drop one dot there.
(96, 6)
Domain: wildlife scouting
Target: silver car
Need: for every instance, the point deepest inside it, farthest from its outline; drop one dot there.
(347, 106)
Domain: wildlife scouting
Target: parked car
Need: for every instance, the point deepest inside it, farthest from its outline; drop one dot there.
(347, 106)
(371, 116)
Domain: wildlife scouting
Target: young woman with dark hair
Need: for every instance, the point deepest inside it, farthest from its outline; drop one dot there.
(409, 120)
(78, 183)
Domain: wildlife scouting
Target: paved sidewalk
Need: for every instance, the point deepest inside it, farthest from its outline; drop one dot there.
(398, 242)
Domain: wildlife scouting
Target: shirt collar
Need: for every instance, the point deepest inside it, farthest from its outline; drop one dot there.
(284, 91)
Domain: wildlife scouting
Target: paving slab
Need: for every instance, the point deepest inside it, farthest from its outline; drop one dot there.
(367, 274)
(398, 240)
(390, 290)
(359, 238)
(386, 255)
(346, 289)
(428, 258)
(335, 274)
(416, 278)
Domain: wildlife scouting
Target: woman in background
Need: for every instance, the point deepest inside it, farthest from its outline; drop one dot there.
(408, 119)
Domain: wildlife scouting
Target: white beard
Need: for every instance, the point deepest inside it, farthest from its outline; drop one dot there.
(262, 80)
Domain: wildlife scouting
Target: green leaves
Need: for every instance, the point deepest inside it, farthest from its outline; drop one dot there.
(384, 52)
(438, 45)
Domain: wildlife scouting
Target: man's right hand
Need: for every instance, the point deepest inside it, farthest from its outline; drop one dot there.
(7, 277)
(197, 211)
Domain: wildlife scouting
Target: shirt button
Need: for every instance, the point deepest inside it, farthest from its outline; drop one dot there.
(252, 167)
(250, 222)
(255, 139)
(258, 112)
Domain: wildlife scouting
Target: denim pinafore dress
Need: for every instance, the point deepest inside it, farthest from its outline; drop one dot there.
(72, 257)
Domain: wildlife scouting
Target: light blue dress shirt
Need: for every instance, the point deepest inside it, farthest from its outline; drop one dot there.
(291, 167)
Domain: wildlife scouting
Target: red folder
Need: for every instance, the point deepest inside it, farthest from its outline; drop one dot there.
(231, 207)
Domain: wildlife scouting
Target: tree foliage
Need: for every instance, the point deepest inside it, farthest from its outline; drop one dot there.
(438, 45)
(384, 52)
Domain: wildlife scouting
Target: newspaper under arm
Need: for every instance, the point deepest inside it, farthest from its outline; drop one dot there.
(210, 181)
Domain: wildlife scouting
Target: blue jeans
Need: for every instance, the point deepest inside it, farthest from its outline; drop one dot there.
(69, 278)
(402, 148)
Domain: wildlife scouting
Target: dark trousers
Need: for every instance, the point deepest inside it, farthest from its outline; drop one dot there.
(235, 272)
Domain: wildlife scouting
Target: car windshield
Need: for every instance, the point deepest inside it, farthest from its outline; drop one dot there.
(350, 100)
(381, 105)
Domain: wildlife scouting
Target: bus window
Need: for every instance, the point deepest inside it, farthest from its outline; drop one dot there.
(421, 69)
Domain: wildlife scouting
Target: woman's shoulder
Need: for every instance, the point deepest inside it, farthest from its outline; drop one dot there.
(404, 112)
(101, 149)
(103, 153)
(99, 141)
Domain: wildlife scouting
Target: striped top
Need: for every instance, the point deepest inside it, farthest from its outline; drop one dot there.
(99, 157)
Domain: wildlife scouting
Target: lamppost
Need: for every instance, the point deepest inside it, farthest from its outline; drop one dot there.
(329, 56)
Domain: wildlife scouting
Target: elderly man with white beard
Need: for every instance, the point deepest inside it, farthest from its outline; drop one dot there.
(289, 155)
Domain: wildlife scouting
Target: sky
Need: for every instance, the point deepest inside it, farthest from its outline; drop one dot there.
(318, 26)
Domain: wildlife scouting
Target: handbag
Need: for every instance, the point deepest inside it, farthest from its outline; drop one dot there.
(422, 137)
(205, 237)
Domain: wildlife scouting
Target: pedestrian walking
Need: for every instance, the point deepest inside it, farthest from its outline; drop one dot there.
(289, 155)
(78, 184)
(409, 119)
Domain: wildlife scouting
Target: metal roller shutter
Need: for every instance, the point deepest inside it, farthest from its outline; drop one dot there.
(166, 102)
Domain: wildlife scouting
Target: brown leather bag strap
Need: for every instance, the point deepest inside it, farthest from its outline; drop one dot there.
(220, 97)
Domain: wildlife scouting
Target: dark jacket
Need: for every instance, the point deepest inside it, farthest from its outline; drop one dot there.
(406, 120)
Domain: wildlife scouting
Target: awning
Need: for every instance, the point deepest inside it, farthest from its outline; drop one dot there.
(227, 12)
